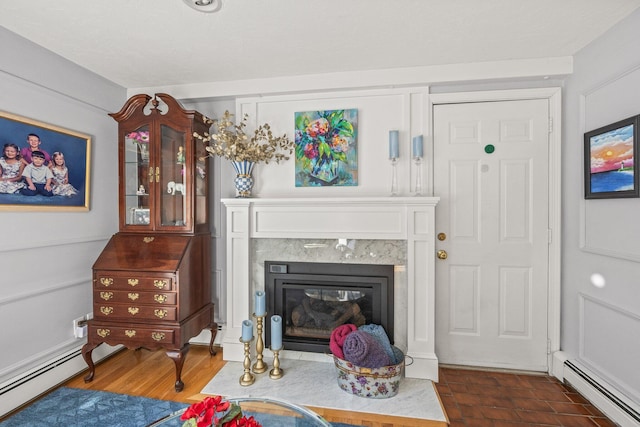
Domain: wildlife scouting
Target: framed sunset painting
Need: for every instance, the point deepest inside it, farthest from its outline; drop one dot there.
(609, 158)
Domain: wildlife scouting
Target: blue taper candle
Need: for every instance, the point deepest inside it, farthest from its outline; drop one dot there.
(394, 149)
(276, 332)
(418, 146)
(260, 306)
(247, 330)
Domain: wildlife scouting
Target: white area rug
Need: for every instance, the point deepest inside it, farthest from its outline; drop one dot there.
(310, 383)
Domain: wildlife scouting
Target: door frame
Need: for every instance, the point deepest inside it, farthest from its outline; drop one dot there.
(554, 96)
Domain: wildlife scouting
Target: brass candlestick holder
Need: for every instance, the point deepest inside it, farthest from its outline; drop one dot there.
(247, 378)
(260, 366)
(276, 373)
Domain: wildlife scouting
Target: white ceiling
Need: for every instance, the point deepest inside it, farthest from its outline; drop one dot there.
(142, 43)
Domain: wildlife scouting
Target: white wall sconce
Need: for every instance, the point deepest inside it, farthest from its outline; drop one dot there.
(394, 154)
(418, 154)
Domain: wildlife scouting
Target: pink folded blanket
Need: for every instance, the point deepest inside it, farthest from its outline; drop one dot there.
(338, 335)
(362, 349)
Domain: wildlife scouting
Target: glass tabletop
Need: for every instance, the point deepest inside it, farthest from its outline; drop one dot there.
(268, 412)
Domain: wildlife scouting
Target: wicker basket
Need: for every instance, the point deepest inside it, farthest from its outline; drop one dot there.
(374, 383)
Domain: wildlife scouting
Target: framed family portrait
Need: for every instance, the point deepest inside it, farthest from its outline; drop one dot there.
(609, 160)
(42, 166)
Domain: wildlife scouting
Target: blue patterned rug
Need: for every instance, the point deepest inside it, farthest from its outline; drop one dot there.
(72, 407)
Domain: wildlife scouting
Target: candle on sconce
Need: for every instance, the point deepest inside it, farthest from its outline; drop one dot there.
(394, 149)
(260, 304)
(276, 332)
(418, 150)
(247, 330)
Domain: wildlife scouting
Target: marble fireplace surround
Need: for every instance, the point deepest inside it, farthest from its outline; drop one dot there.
(385, 230)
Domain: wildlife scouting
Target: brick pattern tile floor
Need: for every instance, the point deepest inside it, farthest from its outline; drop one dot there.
(500, 399)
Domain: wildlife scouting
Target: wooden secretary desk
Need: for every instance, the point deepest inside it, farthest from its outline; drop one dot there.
(151, 283)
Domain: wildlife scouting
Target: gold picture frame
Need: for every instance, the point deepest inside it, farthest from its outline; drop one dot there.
(74, 148)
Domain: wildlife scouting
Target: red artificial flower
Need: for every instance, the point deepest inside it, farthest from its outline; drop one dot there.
(243, 422)
(204, 414)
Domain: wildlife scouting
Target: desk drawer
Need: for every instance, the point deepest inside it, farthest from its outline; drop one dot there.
(134, 297)
(104, 280)
(131, 334)
(134, 312)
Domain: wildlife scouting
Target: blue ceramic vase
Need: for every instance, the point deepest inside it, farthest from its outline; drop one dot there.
(243, 180)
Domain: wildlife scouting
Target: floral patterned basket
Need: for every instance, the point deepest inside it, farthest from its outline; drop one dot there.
(374, 383)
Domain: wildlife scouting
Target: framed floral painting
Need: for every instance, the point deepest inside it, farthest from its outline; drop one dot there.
(42, 166)
(326, 149)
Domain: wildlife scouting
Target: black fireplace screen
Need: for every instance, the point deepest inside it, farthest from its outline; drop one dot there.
(315, 298)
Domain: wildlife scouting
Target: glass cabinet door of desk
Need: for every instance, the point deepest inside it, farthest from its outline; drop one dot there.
(172, 178)
(163, 169)
(138, 175)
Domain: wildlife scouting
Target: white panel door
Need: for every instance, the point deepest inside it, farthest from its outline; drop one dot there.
(491, 174)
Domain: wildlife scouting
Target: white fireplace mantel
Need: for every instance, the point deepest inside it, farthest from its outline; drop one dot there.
(411, 219)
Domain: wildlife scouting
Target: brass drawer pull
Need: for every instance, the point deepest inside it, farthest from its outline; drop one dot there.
(133, 296)
(161, 314)
(133, 282)
(130, 333)
(157, 336)
(106, 295)
(159, 283)
(106, 310)
(133, 310)
(106, 281)
(161, 298)
(103, 332)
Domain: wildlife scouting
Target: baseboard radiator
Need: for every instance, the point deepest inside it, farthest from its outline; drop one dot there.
(27, 386)
(619, 408)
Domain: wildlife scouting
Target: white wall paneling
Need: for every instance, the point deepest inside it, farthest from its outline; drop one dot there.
(601, 236)
(51, 291)
(608, 339)
(46, 256)
(607, 103)
(379, 111)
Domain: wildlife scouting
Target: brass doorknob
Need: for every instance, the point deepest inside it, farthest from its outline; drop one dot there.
(441, 254)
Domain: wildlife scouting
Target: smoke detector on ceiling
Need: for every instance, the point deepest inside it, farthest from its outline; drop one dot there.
(207, 6)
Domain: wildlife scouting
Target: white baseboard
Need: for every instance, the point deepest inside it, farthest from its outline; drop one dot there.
(615, 405)
(28, 386)
(21, 389)
(204, 338)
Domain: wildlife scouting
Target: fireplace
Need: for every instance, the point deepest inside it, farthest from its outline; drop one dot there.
(314, 298)
(307, 230)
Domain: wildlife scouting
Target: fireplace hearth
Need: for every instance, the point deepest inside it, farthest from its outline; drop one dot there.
(314, 298)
